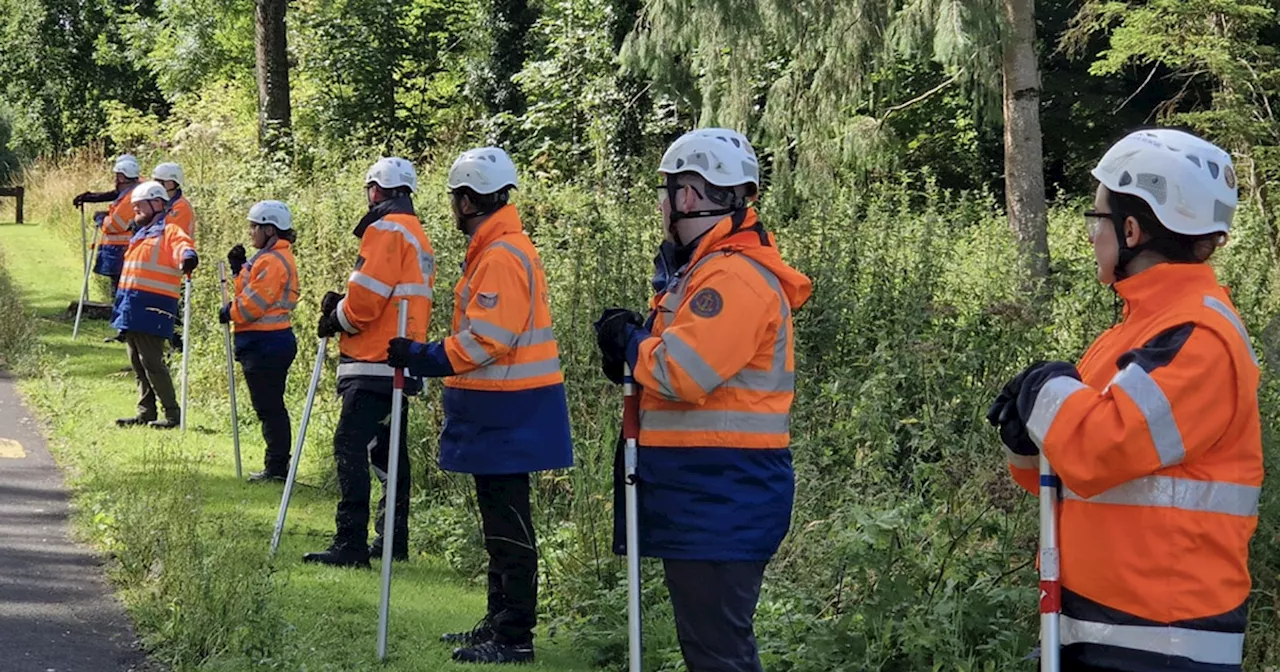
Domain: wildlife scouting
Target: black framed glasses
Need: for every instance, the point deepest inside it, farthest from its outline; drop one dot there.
(1093, 221)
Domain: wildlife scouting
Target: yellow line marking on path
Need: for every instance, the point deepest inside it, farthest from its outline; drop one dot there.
(12, 450)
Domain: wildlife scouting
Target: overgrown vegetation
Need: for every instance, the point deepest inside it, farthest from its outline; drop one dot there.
(910, 549)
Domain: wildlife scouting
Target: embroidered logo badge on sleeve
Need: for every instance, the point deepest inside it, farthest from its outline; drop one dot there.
(487, 300)
(706, 303)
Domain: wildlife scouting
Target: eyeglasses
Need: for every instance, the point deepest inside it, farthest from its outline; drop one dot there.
(663, 193)
(1093, 221)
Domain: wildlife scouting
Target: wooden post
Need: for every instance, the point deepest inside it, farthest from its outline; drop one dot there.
(17, 193)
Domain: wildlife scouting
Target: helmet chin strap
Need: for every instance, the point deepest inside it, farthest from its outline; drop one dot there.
(673, 189)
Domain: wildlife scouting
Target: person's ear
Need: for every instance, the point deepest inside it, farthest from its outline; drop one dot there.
(1132, 232)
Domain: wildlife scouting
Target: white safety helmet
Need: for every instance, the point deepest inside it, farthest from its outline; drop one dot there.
(147, 191)
(128, 166)
(275, 213)
(722, 157)
(485, 170)
(392, 172)
(168, 171)
(1189, 183)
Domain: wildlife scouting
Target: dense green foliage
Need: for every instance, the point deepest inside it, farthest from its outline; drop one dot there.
(910, 548)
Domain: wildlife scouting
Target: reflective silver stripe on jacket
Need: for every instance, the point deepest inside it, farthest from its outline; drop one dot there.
(283, 303)
(1232, 499)
(1225, 311)
(349, 369)
(1151, 401)
(426, 260)
(152, 284)
(1049, 401)
(1202, 646)
(1022, 461)
(776, 379)
(341, 313)
(469, 329)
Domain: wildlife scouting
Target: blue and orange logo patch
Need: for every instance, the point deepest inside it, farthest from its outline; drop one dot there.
(707, 303)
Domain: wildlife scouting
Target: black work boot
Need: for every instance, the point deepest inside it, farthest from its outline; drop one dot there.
(494, 652)
(400, 553)
(480, 634)
(167, 423)
(339, 556)
(134, 421)
(266, 477)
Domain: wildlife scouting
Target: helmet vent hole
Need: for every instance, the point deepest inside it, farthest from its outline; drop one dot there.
(1194, 159)
(1213, 169)
(1126, 179)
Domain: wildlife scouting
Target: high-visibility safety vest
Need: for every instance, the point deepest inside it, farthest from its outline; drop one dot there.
(396, 261)
(1159, 449)
(151, 281)
(115, 228)
(505, 407)
(718, 374)
(266, 290)
(179, 212)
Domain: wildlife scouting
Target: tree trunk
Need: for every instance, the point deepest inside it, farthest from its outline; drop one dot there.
(1023, 151)
(274, 115)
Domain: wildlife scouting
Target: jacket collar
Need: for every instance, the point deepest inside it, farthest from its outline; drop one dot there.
(1156, 288)
(400, 205)
(504, 222)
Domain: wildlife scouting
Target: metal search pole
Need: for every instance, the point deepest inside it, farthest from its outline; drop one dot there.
(393, 483)
(231, 370)
(186, 344)
(630, 434)
(84, 286)
(297, 446)
(1050, 576)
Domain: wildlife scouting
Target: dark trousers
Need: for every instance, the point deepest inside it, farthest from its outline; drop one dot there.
(363, 439)
(146, 355)
(513, 555)
(715, 607)
(266, 377)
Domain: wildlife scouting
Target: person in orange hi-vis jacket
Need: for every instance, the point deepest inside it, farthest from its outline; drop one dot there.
(1155, 433)
(116, 223)
(266, 294)
(395, 262)
(178, 209)
(716, 363)
(505, 410)
(146, 305)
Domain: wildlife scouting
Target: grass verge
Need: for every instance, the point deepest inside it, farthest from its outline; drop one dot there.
(188, 541)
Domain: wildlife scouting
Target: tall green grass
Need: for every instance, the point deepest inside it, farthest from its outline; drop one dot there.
(910, 549)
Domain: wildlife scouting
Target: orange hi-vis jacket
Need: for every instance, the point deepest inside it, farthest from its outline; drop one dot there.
(147, 300)
(1159, 450)
(266, 290)
(179, 212)
(396, 262)
(502, 337)
(115, 228)
(718, 377)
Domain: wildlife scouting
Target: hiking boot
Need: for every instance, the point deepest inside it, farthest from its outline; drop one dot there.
(339, 557)
(483, 632)
(134, 422)
(167, 423)
(266, 477)
(397, 554)
(492, 652)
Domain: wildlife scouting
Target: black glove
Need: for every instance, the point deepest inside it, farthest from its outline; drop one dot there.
(330, 302)
(1003, 414)
(328, 325)
(79, 199)
(400, 353)
(236, 259)
(1037, 377)
(611, 337)
(176, 341)
(224, 314)
(189, 264)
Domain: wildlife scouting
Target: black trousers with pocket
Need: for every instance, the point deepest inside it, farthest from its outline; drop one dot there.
(513, 555)
(715, 607)
(362, 440)
(265, 376)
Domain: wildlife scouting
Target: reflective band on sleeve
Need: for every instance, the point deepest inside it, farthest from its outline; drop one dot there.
(1202, 646)
(257, 300)
(1022, 461)
(370, 283)
(1232, 499)
(1048, 402)
(494, 332)
(365, 369)
(515, 371)
(474, 350)
(271, 319)
(1225, 311)
(763, 381)
(743, 422)
(341, 312)
(412, 289)
(426, 261)
(1151, 401)
(693, 364)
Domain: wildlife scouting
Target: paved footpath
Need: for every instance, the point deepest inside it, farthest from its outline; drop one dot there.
(57, 613)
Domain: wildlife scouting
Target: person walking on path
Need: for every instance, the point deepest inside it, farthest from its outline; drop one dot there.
(146, 306)
(505, 410)
(395, 262)
(266, 292)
